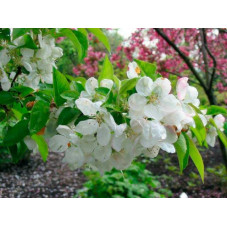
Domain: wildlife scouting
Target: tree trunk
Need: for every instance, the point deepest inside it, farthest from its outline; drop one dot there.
(213, 101)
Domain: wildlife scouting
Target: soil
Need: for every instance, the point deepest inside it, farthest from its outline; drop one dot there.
(53, 179)
(36, 179)
(215, 186)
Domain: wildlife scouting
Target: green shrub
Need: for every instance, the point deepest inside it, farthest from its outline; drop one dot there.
(135, 182)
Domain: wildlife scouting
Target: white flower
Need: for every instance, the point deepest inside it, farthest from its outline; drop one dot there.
(183, 195)
(186, 93)
(74, 157)
(219, 121)
(153, 99)
(4, 57)
(86, 106)
(4, 80)
(90, 86)
(211, 136)
(66, 139)
(106, 83)
(133, 70)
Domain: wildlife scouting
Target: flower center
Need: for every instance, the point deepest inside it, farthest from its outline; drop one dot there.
(137, 69)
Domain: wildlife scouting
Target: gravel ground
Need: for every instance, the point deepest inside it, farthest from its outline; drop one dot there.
(36, 179)
(53, 179)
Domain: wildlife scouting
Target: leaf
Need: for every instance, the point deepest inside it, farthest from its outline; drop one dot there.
(83, 41)
(107, 70)
(16, 133)
(80, 79)
(197, 110)
(24, 91)
(70, 95)
(6, 98)
(127, 85)
(200, 129)
(100, 36)
(149, 69)
(102, 91)
(60, 84)
(18, 152)
(39, 116)
(69, 34)
(2, 114)
(28, 42)
(220, 133)
(195, 156)
(17, 32)
(78, 86)
(67, 115)
(181, 149)
(214, 110)
(82, 30)
(5, 34)
(117, 82)
(42, 146)
(222, 137)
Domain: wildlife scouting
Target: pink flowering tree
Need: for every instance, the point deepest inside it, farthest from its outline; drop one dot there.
(199, 54)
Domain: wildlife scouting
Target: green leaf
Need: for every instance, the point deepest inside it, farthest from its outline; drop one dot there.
(197, 110)
(220, 133)
(222, 137)
(24, 91)
(67, 115)
(6, 98)
(102, 90)
(117, 82)
(195, 156)
(100, 36)
(42, 146)
(2, 114)
(16, 133)
(69, 34)
(28, 42)
(17, 32)
(18, 152)
(83, 30)
(107, 70)
(60, 84)
(39, 116)
(70, 95)
(78, 86)
(83, 41)
(127, 85)
(80, 79)
(5, 34)
(214, 110)
(200, 131)
(181, 149)
(148, 69)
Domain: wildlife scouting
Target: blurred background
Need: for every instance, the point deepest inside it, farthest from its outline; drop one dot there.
(201, 55)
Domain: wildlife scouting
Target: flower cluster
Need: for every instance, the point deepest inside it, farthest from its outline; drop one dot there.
(35, 56)
(153, 118)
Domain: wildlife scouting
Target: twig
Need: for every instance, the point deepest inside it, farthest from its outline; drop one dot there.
(212, 57)
(17, 74)
(184, 57)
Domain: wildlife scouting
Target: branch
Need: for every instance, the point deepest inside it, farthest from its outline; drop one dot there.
(17, 74)
(203, 49)
(212, 57)
(185, 58)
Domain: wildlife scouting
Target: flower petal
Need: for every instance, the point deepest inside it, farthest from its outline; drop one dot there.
(137, 101)
(86, 106)
(58, 143)
(182, 87)
(144, 86)
(103, 135)
(87, 127)
(90, 85)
